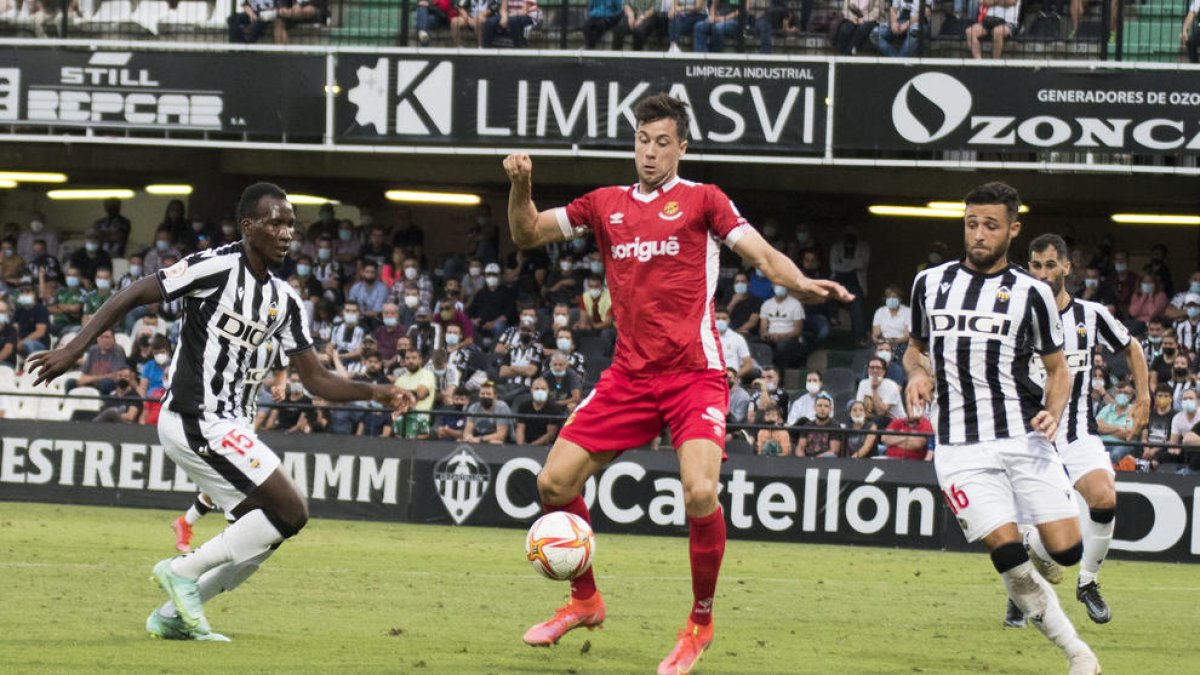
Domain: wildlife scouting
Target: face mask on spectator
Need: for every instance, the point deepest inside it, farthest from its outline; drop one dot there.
(722, 326)
(475, 271)
(344, 235)
(558, 372)
(295, 245)
(885, 354)
(858, 419)
(802, 236)
(1194, 287)
(1120, 267)
(410, 273)
(197, 226)
(350, 317)
(228, 230)
(390, 321)
(1122, 399)
(296, 387)
(595, 293)
(105, 284)
(486, 403)
(135, 271)
(492, 281)
(540, 395)
(72, 282)
(813, 388)
(303, 270)
(1189, 405)
(771, 387)
(597, 267)
(1193, 312)
(411, 301)
(3, 318)
(1168, 351)
(560, 320)
(565, 265)
(892, 303)
(1180, 372)
(36, 226)
(8, 253)
(162, 244)
(122, 383)
(741, 287)
(162, 358)
(1091, 283)
(91, 247)
(452, 338)
(780, 291)
(1098, 384)
(579, 244)
(324, 254)
(1154, 339)
(563, 344)
(1147, 288)
(26, 300)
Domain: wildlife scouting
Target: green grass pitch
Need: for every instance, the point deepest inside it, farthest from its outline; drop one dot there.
(347, 597)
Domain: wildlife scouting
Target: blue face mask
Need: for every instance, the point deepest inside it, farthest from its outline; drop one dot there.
(303, 270)
(722, 326)
(72, 282)
(781, 291)
(1194, 287)
(1091, 283)
(740, 288)
(1193, 312)
(1147, 288)
(1122, 400)
(892, 303)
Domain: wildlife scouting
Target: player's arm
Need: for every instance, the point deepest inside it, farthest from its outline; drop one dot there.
(51, 364)
(919, 373)
(530, 228)
(330, 387)
(780, 269)
(1141, 384)
(1058, 389)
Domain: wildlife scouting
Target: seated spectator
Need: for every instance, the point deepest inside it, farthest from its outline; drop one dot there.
(488, 420)
(908, 447)
(32, 320)
(1182, 378)
(902, 25)
(773, 442)
(595, 306)
(251, 20)
(566, 387)
(153, 259)
(1158, 429)
(860, 437)
(776, 16)
(386, 333)
(93, 301)
(494, 308)
(562, 284)
(1187, 329)
(41, 264)
(473, 16)
(1189, 36)
(294, 414)
(293, 12)
(743, 307)
(859, 19)
(90, 258)
(155, 372)
(1115, 422)
(369, 293)
(997, 18)
(516, 19)
(765, 390)
(1162, 363)
(9, 337)
(419, 382)
(722, 21)
(451, 418)
(123, 403)
(101, 363)
(425, 334)
(602, 15)
(466, 366)
(684, 16)
(409, 424)
(893, 320)
(12, 266)
(1099, 394)
(66, 304)
(538, 430)
(821, 442)
(452, 291)
(519, 364)
(739, 399)
(643, 19)
(1148, 301)
(565, 344)
(347, 335)
(347, 248)
(781, 325)
(805, 407)
(1158, 268)
(733, 346)
(1095, 289)
(880, 396)
(431, 15)
(361, 418)
(449, 315)
(1181, 424)
(895, 369)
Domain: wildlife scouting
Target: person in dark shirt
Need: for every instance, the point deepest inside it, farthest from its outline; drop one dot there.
(377, 250)
(113, 228)
(33, 321)
(8, 336)
(450, 418)
(293, 415)
(124, 404)
(537, 430)
(494, 307)
(90, 258)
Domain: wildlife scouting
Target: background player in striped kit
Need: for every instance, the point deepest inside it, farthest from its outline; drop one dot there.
(980, 320)
(1086, 325)
(233, 305)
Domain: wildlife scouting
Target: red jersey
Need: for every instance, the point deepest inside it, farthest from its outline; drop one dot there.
(660, 254)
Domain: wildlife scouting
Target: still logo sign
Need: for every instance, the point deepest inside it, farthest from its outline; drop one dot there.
(424, 95)
(944, 92)
(462, 479)
(10, 94)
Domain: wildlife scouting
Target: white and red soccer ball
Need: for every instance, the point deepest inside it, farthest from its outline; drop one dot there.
(560, 546)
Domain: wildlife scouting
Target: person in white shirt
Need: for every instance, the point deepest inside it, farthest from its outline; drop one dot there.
(734, 347)
(999, 20)
(880, 395)
(893, 320)
(805, 407)
(781, 322)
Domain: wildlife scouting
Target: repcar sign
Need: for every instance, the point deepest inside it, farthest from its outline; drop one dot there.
(1015, 108)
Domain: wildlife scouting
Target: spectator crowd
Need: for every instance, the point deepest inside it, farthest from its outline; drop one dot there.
(501, 348)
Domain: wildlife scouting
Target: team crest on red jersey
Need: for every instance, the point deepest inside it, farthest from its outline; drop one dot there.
(670, 211)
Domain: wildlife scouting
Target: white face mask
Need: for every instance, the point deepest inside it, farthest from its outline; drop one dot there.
(492, 281)
(411, 301)
(813, 388)
(540, 395)
(135, 271)
(781, 291)
(595, 293)
(103, 284)
(560, 320)
(858, 419)
(162, 359)
(198, 226)
(771, 387)
(350, 317)
(475, 271)
(36, 225)
(563, 344)
(296, 387)
(597, 267)
(410, 273)
(390, 321)
(565, 265)
(885, 355)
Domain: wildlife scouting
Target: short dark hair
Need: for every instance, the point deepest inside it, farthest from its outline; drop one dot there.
(1045, 241)
(1164, 388)
(664, 106)
(247, 206)
(996, 193)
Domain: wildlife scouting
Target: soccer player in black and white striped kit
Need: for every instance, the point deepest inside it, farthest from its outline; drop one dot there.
(1085, 325)
(233, 306)
(980, 320)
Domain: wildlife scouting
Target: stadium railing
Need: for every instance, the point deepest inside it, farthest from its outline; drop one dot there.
(1146, 31)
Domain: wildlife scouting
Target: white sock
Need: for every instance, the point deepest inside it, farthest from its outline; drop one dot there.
(222, 579)
(192, 515)
(1036, 598)
(247, 538)
(1096, 539)
(1033, 540)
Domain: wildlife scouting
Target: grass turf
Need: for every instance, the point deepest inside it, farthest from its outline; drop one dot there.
(371, 597)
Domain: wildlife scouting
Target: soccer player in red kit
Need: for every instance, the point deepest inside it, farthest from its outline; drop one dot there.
(659, 239)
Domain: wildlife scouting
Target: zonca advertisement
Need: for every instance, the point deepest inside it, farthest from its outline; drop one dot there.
(585, 101)
(877, 503)
(905, 107)
(110, 92)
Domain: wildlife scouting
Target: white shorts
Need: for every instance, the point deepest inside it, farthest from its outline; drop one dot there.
(985, 483)
(1085, 455)
(223, 457)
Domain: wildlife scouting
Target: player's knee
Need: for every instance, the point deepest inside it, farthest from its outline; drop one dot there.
(700, 496)
(553, 490)
(288, 518)
(1070, 556)
(1104, 512)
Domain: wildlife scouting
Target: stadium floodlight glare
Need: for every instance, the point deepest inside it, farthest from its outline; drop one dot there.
(33, 177)
(93, 193)
(7, 184)
(310, 200)
(960, 206)
(168, 189)
(913, 211)
(1154, 219)
(457, 199)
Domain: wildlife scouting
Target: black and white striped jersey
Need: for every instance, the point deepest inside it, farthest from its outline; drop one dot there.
(230, 321)
(1085, 325)
(982, 331)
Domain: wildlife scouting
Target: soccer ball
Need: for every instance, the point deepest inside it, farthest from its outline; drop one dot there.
(560, 546)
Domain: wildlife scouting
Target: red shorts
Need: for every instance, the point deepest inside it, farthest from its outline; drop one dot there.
(625, 412)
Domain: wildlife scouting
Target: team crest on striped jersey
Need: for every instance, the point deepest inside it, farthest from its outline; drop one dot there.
(1003, 294)
(1081, 329)
(462, 479)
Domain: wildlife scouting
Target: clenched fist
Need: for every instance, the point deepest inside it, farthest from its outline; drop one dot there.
(519, 167)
